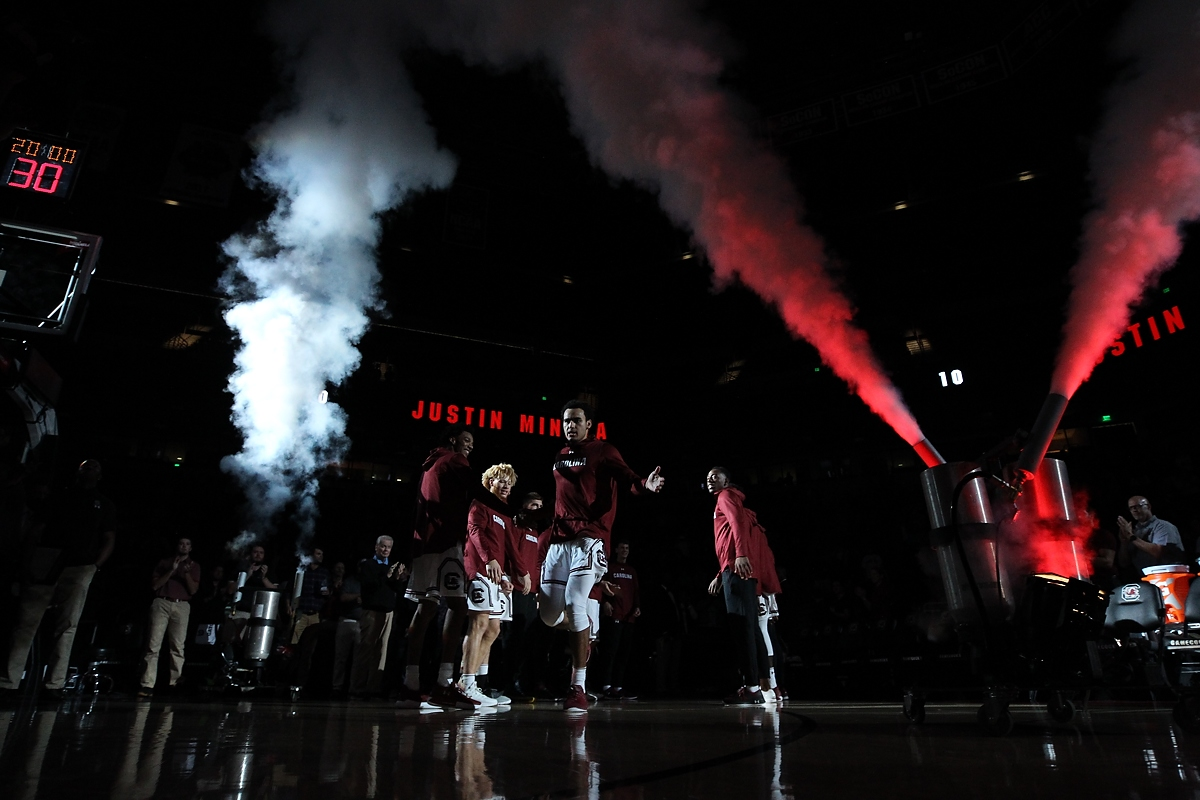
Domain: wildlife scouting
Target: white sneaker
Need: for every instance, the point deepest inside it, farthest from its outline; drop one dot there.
(479, 697)
(502, 700)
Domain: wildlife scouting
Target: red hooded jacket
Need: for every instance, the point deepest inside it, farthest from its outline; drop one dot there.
(736, 531)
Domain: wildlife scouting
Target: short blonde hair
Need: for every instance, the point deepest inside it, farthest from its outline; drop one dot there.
(499, 471)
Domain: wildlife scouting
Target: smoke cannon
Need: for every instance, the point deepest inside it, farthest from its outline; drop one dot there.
(964, 537)
(977, 548)
(1040, 437)
(928, 453)
(260, 631)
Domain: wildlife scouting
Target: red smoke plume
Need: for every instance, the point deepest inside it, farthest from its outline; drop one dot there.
(1146, 169)
(1047, 543)
(640, 78)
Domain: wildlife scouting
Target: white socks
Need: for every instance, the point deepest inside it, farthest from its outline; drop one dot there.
(467, 682)
(483, 669)
(772, 678)
(581, 678)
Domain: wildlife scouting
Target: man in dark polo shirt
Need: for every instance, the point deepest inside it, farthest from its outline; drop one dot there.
(79, 537)
(173, 582)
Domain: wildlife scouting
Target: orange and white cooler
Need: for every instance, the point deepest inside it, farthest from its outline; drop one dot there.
(1173, 580)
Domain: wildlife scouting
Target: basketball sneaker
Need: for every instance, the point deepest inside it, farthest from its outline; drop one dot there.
(409, 698)
(576, 700)
(452, 697)
(476, 695)
(745, 697)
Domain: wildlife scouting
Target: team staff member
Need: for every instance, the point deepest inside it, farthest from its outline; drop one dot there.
(587, 475)
(379, 581)
(440, 531)
(738, 543)
(173, 582)
(1147, 541)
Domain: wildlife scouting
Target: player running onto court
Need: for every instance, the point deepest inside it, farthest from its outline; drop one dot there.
(587, 474)
(491, 546)
(739, 542)
(439, 532)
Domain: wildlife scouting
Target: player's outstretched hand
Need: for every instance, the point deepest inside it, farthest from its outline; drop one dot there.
(655, 482)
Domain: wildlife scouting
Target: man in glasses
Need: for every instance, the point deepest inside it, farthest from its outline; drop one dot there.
(1147, 541)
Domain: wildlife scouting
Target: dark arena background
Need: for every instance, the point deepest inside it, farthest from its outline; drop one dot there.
(943, 152)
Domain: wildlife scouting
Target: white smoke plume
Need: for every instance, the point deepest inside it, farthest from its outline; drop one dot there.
(641, 82)
(349, 141)
(1146, 176)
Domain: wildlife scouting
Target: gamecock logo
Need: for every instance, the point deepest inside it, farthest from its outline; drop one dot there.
(1131, 593)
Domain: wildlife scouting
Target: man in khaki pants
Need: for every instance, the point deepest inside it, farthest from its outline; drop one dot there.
(174, 581)
(81, 534)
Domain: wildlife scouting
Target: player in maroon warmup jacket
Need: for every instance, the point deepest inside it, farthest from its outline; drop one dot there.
(739, 542)
(492, 553)
(587, 476)
(439, 533)
(618, 614)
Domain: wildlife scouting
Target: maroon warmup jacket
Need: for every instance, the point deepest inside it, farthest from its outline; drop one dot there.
(586, 479)
(527, 545)
(626, 600)
(768, 579)
(443, 503)
(736, 531)
(491, 534)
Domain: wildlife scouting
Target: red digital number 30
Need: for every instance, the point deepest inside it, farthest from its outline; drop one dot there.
(27, 175)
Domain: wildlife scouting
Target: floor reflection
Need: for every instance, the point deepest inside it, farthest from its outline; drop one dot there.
(261, 749)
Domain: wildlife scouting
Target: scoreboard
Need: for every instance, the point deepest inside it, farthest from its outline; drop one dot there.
(40, 164)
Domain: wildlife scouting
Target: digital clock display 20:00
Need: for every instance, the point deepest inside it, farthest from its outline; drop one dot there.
(39, 165)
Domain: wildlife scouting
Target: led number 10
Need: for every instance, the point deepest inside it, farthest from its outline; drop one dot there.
(955, 377)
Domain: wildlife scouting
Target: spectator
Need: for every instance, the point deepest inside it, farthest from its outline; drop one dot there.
(617, 617)
(1147, 541)
(173, 582)
(79, 537)
(312, 592)
(345, 598)
(379, 581)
